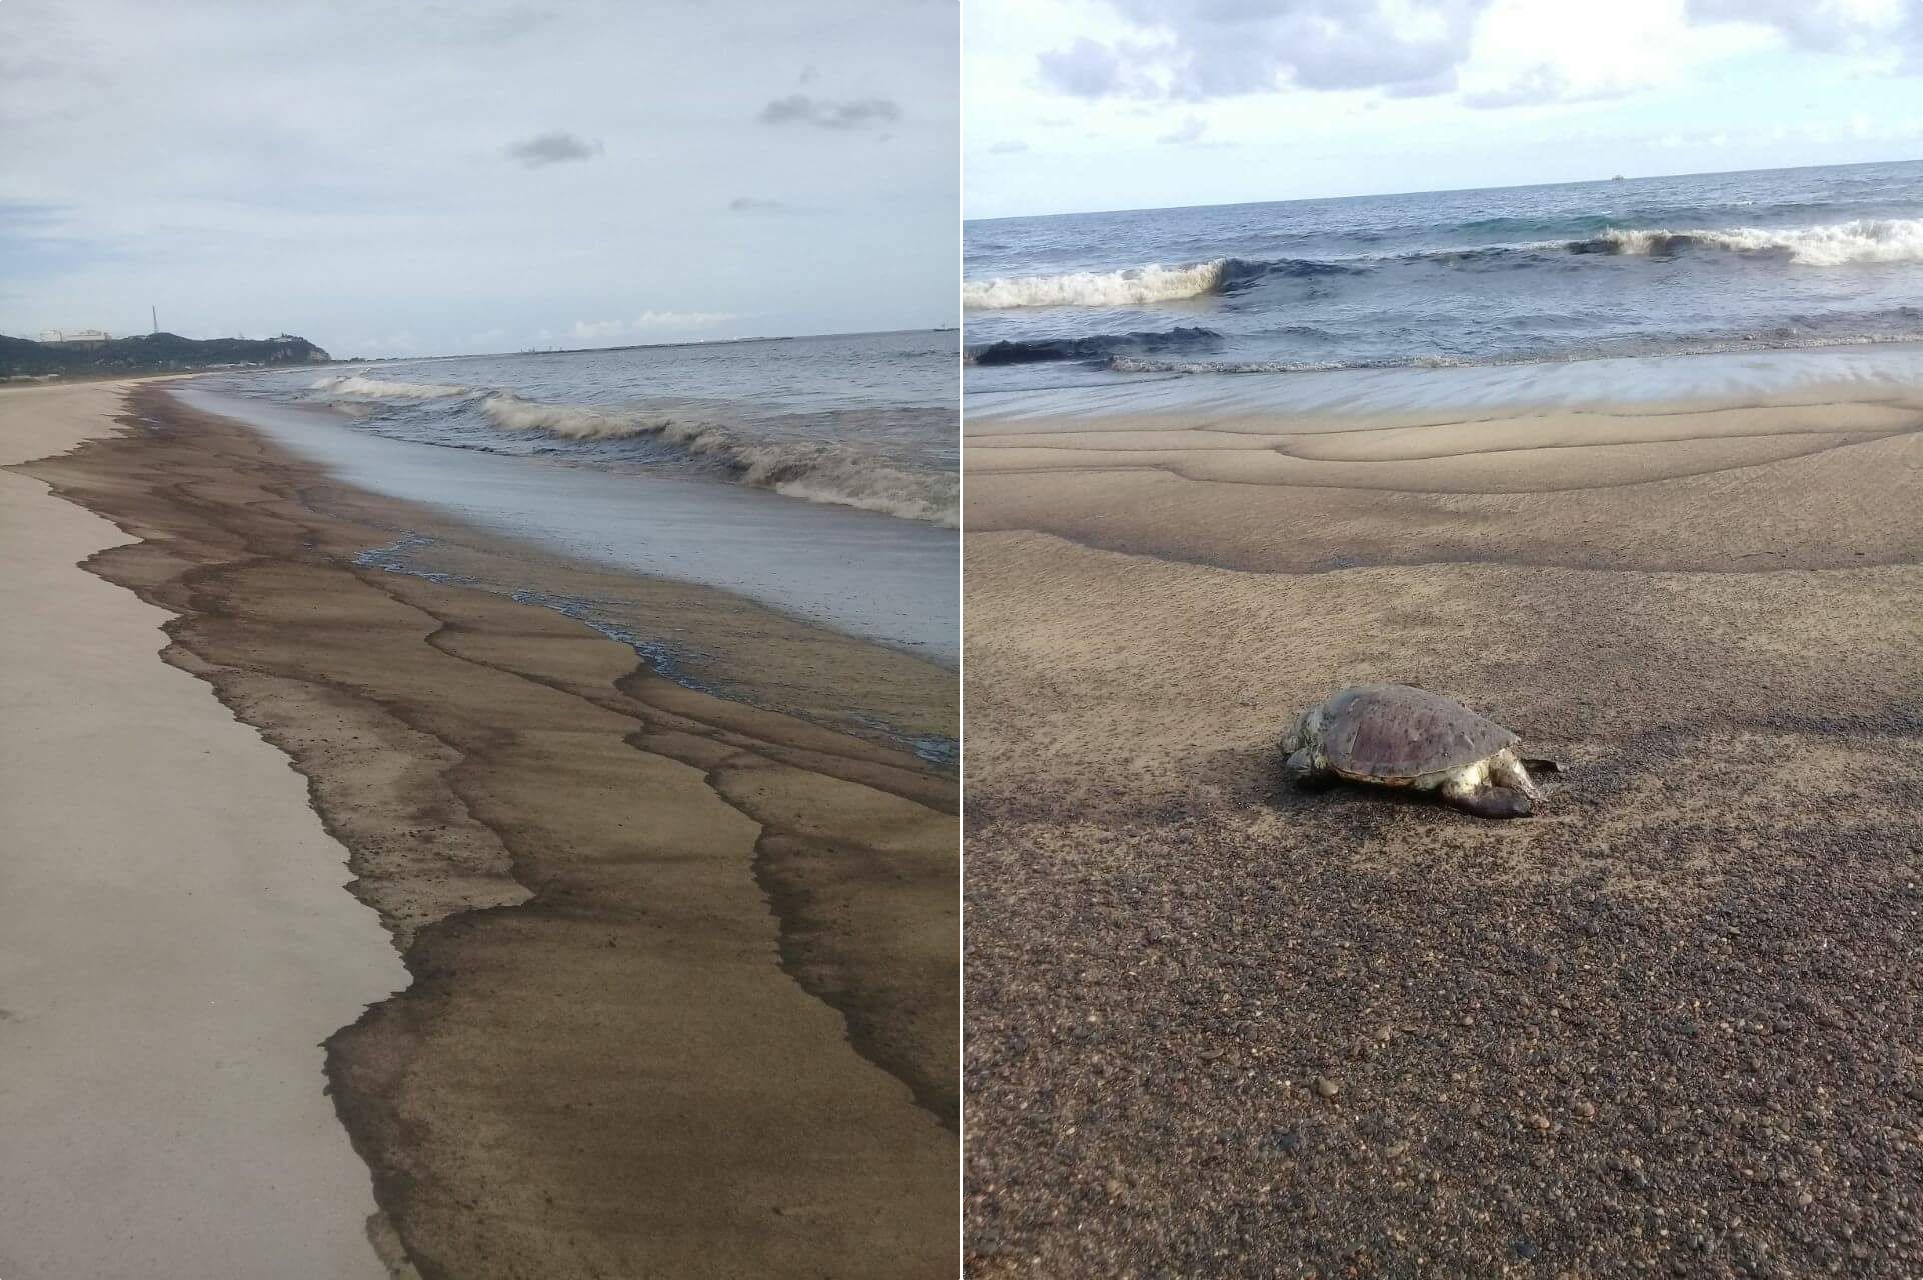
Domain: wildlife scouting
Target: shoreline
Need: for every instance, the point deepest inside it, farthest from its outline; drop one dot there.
(1664, 1024)
(1418, 394)
(680, 963)
(727, 643)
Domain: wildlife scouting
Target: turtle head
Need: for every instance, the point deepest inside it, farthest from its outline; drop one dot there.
(1305, 732)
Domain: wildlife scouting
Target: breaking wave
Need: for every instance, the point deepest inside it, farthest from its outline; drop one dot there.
(1833, 245)
(359, 387)
(1837, 244)
(577, 422)
(813, 471)
(1133, 287)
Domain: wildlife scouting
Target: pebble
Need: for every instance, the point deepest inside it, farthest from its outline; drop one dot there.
(1539, 1122)
(1326, 1087)
(1586, 1110)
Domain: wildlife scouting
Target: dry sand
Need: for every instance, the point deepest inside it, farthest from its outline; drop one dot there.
(684, 967)
(1672, 1025)
(175, 941)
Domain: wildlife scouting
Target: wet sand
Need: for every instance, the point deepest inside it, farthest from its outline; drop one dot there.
(683, 965)
(1671, 1025)
(175, 941)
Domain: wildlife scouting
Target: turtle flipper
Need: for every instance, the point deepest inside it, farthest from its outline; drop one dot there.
(1489, 802)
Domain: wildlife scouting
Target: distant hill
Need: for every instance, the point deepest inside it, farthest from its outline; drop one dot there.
(151, 353)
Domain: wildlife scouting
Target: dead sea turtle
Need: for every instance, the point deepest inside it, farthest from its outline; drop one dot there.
(1397, 736)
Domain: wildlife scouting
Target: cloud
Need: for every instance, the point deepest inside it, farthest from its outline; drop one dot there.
(1197, 50)
(647, 324)
(14, 69)
(553, 148)
(755, 204)
(1826, 26)
(1540, 85)
(1190, 130)
(1428, 87)
(1083, 70)
(466, 23)
(1008, 147)
(854, 113)
(312, 211)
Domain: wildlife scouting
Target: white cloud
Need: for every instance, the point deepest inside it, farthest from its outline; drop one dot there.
(1498, 53)
(1526, 53)
(1195, 50)
(1397, 95)
(1826, 26)
(649, 324)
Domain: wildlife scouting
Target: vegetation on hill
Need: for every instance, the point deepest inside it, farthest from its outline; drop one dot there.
(151, 353)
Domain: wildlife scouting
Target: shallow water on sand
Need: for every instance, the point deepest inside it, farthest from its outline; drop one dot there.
(1861, 372)
(885, 579)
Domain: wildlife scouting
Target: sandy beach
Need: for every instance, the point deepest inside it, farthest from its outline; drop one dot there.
(680, 967)
(1667, 1026)
(175, 940)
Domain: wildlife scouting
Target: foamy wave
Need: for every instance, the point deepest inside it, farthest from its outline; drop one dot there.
(577, 422)
(1862, 240)
(823, 473)
(358, 386)
(1133, 287)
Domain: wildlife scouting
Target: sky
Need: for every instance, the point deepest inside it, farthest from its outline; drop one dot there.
(478, 175)
(1080, 105)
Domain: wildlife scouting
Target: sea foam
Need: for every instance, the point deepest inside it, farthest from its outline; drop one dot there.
(813, 471)
(1832, 245)
(577, 422)
(1133, 287)
(360, 387)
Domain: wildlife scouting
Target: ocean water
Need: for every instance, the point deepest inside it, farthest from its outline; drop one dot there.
(818, 476)
(866, 421)
(1733, 264)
